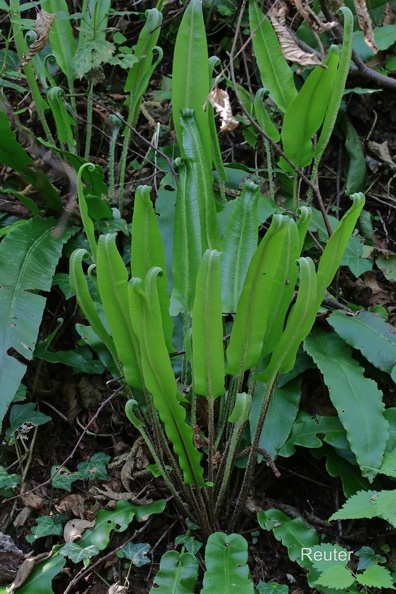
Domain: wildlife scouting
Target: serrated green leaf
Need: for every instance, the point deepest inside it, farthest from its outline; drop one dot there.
(361, 505)
(336, 577)
(177, 574)
(370, 334)
(326, 554)
(388, 465)
(226, 565)
(357, 399)
(385, 506)
(376, 576)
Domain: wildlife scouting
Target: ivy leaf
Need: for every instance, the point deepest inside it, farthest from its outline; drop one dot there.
(8, 480)
(95, 468)
(376, 576)
(25, 413)
(136, 553)
(63, 479)
(47, 526)
(353, 257)
(73, 551)
(192, 544)
(367, 558)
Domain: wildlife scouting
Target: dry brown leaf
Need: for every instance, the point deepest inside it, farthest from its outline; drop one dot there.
(22, 517)
(365, 24)
(32, 500)
(25, 570)
(222, 105)
(290, 49)
(74, 529)
(73, 503)
(42, 28)
(311, 18)
(389, 15)
(10, 559)
(381, 150)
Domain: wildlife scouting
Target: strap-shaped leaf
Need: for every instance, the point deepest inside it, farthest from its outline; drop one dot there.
(160, 381)
(148, 251)
(63, 120)
(240, 413)
(333, 105)
(177, 573)
(201, 183)
(28, 256)
(239, 245)
(263, 118)
(250, 321)
(357, 399)
(282, 289)
(299, 323)
(303, 222)
(62, 41)
(187, 244)
(276, 75)
(207, 329)
(332, 255)
(305, 114)
(190, 74)
(113, 291)
(226, 565)
(78, 283)
(87, 222)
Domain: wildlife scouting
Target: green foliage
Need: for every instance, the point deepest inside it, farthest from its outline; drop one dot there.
(370, 334)
(177, 573)
(357, 399)
(29, 255)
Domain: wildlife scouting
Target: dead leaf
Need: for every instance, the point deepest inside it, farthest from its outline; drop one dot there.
(389, 15)
(365, 24)
(26, 569)
(72, 503)
(42, 28)
(74, 529)
(290, 48)
(220, 100)
(22, 517)
(32, 500)
(312, 19)
(10, 558)
(381, 150)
